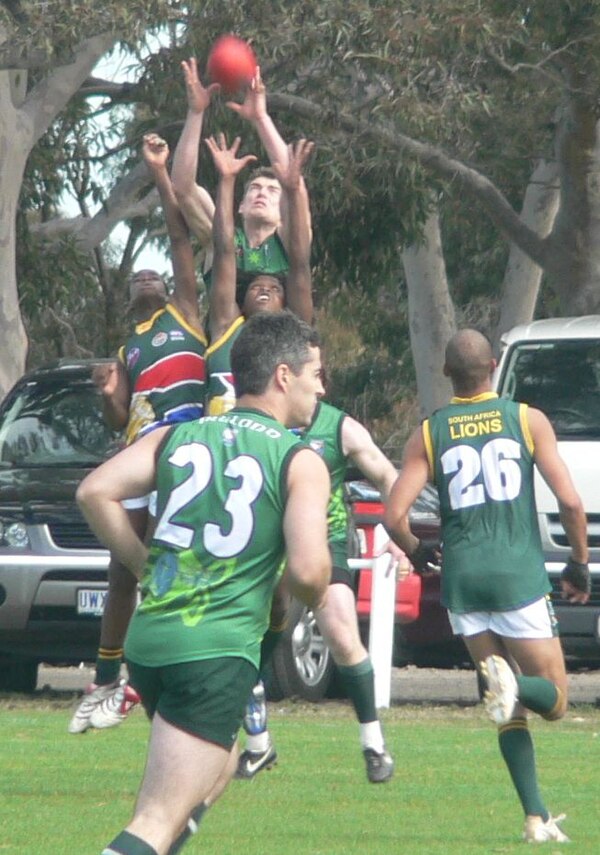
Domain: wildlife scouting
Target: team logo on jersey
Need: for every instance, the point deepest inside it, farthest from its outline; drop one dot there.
(177, 335)
(163, 574)
(318, 445)
(132, 356)
(159, 339)
(229, 435)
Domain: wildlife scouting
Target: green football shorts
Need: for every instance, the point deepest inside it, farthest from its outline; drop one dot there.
(206, 698)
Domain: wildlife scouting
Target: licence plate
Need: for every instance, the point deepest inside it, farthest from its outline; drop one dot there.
(90, 601)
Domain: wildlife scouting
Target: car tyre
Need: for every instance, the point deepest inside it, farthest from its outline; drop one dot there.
(18, 675)
(302, 665)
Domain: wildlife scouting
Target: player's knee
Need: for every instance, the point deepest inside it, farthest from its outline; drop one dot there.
(345, 649)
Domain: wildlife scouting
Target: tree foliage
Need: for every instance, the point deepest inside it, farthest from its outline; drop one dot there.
(413, 105)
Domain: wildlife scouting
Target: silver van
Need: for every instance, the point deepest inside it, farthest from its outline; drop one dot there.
(554, 365)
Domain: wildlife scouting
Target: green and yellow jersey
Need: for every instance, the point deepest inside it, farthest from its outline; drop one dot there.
(480, 452)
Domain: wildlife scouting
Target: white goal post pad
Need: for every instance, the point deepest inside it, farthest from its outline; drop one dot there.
(381, 623)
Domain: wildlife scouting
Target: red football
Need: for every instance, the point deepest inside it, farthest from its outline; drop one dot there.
(231, 62)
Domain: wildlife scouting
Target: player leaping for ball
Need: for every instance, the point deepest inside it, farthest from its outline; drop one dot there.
(263, 242)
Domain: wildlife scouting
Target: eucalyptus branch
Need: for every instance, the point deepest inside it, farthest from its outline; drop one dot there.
(537, 67)
(432, 158)
(78, 348)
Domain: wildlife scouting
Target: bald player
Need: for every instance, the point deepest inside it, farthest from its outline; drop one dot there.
(479, 451)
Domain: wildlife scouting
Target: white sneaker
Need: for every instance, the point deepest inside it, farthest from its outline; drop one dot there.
(502, 693)
(538, 831)
(114, 707)
(99, 704)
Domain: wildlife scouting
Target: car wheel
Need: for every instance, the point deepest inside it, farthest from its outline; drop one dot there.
(18, 675)
(302, 665)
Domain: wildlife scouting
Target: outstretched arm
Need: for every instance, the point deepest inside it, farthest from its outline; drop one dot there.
(223, 309)
(185, 297)
(195, 202)
(358, 445)
(410, 482)
(572, 515)
(254, 110)
(299, 280)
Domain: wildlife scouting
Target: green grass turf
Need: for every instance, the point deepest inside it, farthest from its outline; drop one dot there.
(69, 795)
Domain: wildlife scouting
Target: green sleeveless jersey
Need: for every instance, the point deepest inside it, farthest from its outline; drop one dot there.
(216, 553)
(164, 359)
(480, 451)
(269, 257)
(324, 435)
(220, 391)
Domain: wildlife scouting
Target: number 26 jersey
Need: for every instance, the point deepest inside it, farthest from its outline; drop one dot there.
(480, 452)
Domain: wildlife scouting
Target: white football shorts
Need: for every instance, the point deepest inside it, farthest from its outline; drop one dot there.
(536, 620)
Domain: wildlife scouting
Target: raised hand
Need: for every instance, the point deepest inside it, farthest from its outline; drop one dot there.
(227, 163)
(155, 151)
(290, 174)
(198, 96)
(254, 108)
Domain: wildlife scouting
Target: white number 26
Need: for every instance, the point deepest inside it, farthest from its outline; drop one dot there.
(496, 463)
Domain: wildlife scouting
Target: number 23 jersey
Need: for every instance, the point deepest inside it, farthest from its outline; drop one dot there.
(480, 451)
(218, 544)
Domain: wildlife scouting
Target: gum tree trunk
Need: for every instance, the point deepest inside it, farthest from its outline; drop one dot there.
(24, 118)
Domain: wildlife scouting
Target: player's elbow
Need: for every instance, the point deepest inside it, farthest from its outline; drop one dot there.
(309, 580)
(570, 504)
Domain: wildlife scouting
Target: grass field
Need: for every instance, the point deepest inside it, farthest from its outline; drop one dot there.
(69, 795)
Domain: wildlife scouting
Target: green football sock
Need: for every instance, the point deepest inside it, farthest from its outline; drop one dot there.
(537, 694)
(359, 682)
(128, 844)
(516, 746)
(108, 665)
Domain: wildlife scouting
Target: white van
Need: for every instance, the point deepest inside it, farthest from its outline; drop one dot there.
(554, 365)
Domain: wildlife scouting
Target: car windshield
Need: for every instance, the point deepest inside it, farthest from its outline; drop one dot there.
(55, 422)
(562, 378)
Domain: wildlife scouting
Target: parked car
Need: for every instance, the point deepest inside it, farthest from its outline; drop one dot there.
(554, 365)
(52, 569)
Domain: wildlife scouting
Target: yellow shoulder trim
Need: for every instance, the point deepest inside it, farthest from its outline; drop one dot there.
(146, 325)
(483, 396)
(226, 335)
(523, 408)
(174, 311)
(426, 428)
